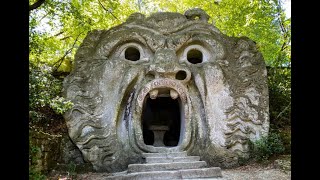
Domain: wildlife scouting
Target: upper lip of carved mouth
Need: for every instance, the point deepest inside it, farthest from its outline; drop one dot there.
(163, 92)
(163, 87)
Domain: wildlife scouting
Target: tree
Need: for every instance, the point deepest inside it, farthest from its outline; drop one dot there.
(57, 27)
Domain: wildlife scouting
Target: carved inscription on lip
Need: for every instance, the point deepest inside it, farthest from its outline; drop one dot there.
(145, 90)
(162, 83)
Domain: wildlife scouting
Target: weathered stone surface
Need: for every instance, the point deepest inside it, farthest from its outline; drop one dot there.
(165, 166)
(165, 155)
(174, 159)
(207, 173)
(201, 173)
(69, 152)
(172, 70)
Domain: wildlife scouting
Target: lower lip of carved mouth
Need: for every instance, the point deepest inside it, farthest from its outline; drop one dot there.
(161, 118)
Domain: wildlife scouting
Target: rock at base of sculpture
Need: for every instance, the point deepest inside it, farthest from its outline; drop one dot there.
(168, 70)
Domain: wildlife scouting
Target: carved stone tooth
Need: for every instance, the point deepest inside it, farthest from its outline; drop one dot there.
(153, 94)
(174, 94)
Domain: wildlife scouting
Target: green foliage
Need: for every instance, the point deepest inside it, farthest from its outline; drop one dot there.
(279, 82)
(265, 147)
(60, 105)
(44, 94)
(285, 134)
(263, 21)
(243, 160)
(33, 153)
(72, 168)
(34, 173)
(57, 27)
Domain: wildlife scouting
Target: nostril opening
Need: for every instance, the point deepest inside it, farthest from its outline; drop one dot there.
(181, 75)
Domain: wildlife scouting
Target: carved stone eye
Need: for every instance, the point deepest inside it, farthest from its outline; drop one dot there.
(194, 56)
(132, 54)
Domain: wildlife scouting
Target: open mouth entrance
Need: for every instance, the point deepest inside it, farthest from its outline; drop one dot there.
(161, 121)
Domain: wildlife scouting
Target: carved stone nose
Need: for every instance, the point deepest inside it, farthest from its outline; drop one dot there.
(165, 55)
(183, 75)
(166, 66)
(180, 74)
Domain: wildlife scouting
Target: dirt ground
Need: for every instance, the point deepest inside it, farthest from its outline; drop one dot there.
(277, 169)
(257, 172)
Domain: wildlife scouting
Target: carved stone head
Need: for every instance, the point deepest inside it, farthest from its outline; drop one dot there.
(165, 83)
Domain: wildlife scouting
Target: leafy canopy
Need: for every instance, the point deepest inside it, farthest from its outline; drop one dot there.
(57, 27)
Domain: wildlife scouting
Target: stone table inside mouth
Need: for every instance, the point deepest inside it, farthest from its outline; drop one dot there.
(158, 132)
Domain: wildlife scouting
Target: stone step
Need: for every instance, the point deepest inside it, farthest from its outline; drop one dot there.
(206, 173)
(212, 172)
(165, 166)
(173, 159)
(165, 155)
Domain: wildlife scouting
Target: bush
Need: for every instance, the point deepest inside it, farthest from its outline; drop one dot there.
(286, 139)
(46, 107)
(36, 175)
(266, 147)
(45, 101)
(34, 172)
(279, 84)
(72, 169)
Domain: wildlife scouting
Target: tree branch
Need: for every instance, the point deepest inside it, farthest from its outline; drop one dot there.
(279, 10)
(44, 16)
(282, 27)
(36, 5)
(283, 111)
(59, 33)
(65, 54)
(107, 10)
(64, 38)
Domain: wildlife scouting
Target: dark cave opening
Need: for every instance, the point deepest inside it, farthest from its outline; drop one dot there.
(161, 121)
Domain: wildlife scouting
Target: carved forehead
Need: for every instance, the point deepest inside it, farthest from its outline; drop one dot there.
(155, 30)
(160, 30)
(166, 20)
(169, 23)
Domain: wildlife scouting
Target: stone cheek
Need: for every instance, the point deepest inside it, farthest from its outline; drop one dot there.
(217, 100)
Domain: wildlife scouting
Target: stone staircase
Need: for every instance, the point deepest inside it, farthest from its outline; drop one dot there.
(173, 165)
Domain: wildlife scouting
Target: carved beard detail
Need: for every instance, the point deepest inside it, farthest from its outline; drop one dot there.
(217, 86)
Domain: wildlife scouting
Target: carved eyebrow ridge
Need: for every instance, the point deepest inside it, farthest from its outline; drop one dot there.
(184, 38)
(144, 28)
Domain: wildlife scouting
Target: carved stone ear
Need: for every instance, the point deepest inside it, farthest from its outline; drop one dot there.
(192, 14)
(135, 16)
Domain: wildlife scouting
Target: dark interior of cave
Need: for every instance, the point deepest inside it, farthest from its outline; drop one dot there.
(163, 111)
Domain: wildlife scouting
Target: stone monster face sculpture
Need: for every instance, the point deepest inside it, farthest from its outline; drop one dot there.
(166, 83)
